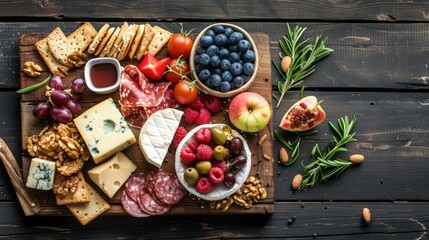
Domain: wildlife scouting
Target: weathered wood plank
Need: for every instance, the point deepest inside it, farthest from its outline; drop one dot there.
(383, 11)
(327, 220)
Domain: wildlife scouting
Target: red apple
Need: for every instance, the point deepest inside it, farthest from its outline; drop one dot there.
(249, 112)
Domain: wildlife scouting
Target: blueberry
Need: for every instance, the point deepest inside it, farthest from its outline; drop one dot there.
(234, 57)
(238, 81)
(206, 41)
(249, 56)
(223, 53)
(233, 48)
(201, 49)
(218, 29)
(225, 64)
(216, 80)
(248, 68)
(225, 86)
(235, 37)
(245, 78)
(220, 40)
(217, 71)
(197, 59)
(236, 69)
(198, 68)
(204, 59)
(204, 74)
(212, 50)
(215, 61)
(210, 33)
(243, 45)
(208, 83)
(227, 76)
(228, 31)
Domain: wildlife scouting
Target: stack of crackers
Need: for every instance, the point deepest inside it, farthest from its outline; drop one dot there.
(133, 40)
(85, 204)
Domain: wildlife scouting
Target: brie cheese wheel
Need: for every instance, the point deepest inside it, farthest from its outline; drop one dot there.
(157, 133)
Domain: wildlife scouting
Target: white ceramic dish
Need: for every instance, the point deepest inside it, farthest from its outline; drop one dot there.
(101, 60)
(220, 191)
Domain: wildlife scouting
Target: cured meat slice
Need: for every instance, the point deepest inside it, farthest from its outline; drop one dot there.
(169, 191)
(149, 206)
(168, 101)
(158, 176)
(132, 207)
(134, 185)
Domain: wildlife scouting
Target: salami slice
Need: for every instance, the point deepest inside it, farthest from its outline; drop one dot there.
(134, 185)
(168, 101)
(149, 206)
(132, 207)
(158, 176)
(169, 191)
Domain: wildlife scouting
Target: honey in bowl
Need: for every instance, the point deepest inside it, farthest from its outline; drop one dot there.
(103, 75)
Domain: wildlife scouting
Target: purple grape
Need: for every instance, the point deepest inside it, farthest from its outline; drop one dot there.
(75, 97)
(61, 114)
(236, 147)
(56, 83)
(42, 110)
(77, 85)
(59, 97)
(229, 179)
(239, 161)
(74, 108)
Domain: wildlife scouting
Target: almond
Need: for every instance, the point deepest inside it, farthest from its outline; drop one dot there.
(356, 158)
(262, 139)
(284, 157)
(366, 214)
(285, 64)
(296, 181)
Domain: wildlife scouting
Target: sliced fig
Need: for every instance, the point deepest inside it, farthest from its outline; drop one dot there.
(303, 115)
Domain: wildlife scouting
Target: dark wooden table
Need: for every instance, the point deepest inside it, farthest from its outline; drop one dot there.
(378, 72)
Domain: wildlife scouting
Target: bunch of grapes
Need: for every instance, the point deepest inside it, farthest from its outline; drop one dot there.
(62, 103)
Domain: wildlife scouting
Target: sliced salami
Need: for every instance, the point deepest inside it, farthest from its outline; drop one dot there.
(158, 176)
(169, 191)
(149, 206)
(132, 207)
(134, 185)
(168, 101)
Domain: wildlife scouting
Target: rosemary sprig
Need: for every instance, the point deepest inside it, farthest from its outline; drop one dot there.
(324, 167)
(303, 58)
(294, 146)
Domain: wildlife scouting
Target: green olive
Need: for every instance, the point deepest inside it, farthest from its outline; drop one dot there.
(203, 167)
(218, 135)
(219, 153)
(191, 176)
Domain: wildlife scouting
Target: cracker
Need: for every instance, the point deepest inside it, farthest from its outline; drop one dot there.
(115, 49)
(86, 212)
(148, 35)
(103, 43)
(127, 39)
(54, 66)
(59, 46)
(80, 196)
(82, 37)
(109, 44)
(162, 36)
(136, 42)
(98, 38)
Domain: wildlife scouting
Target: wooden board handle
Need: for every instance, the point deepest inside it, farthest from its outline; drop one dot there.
(29, 206)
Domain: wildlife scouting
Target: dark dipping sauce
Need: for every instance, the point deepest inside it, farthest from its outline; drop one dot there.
(103, 75)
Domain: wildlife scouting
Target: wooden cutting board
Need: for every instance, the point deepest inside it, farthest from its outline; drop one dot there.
(190, 205)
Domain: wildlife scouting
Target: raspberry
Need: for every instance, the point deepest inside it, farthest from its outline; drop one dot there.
(212, 103)
(221, 165)
(197, 104)
(190, 115)
(193, 144)
(178, 136)
(204, 185)
(203, 135)
(187, 156)
(216, 175)
(203, 117)
(204, 152)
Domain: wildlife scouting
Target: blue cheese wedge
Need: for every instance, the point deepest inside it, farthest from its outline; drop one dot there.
(41, 174)
(157, 133)
(111, 175)
(104, 130)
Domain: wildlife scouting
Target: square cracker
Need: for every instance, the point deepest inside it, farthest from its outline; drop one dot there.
(98, 38)
(54, 66)
(80, 196)
(136, 42)
(162, 36)
(60, 46)
(148, 35)
(86, 212)
(103, 43)
(82, 37)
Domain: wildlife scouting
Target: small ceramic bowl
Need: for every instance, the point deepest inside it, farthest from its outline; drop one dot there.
(192, 65)
(110, 66)
(220, 191)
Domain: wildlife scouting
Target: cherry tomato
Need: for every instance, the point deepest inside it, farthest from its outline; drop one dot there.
(180, 44)
(185, 92)
(177, 69)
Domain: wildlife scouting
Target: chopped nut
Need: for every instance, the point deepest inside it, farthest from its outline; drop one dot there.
(32, 69)
(64, 185)
(266, 157)
(262, 139)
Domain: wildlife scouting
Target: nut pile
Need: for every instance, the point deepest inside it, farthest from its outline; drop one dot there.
(251, 192)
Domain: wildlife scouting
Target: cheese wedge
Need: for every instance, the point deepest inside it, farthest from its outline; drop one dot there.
(157, 133)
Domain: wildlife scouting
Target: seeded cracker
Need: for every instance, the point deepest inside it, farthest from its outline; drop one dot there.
(82, 37)
(148, 35)
(136, 42)
(60, 46)
(162, 36)
(80, 196)
(98, 38)
(54, 66)
(106, 39)
(86, 212)
(116, 46)
(127, 40)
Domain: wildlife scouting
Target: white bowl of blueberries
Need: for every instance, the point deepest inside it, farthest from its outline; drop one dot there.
(224, 60)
